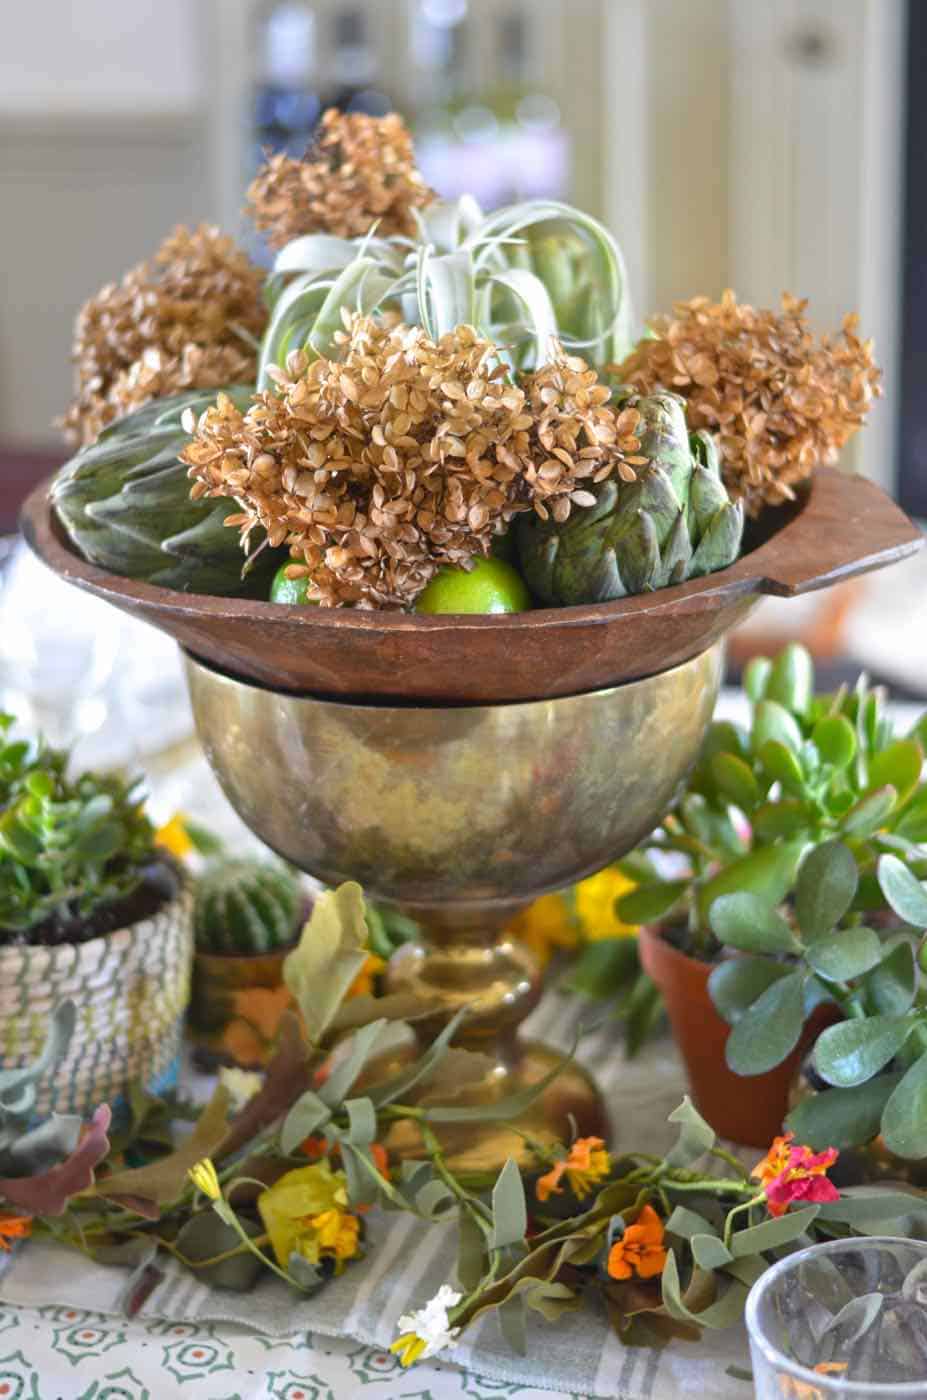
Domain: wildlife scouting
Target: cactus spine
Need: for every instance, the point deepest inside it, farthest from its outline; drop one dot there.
(245, 906)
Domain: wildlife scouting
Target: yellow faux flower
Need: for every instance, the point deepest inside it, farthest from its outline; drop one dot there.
(297, 1213)
(595, 905)
(546, 925)
(363, 985)
(204, 1178)
(173, 836)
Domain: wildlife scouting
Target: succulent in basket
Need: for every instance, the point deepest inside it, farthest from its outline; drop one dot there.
(673, 522)
(246, 905)
(125, 503)
(76, 853)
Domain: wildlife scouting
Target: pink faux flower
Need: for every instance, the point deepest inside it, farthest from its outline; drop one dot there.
(802, 1180)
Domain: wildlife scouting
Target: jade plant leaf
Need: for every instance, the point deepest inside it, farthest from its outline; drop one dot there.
(853, 1051)
(735, 780)
(756, 677)
(825, 889)
(736, 983)
(899, 766)
(846, 954)
(903, 891)
(842, 1118)
(791, 679)
(782, 765)
(773, 723)
(746, 921)
(767, 872)
(769, 1031)
(870, 813)
(904, 1122)
(651, 902)
(835, 740)
(891, 985)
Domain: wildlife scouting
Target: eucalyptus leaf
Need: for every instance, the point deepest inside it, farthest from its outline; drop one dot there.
(769, 1030)
(696, 1137)
(724, 1312)
(509, 1209)
(331, 952)
(853, 1051)
(855, 1318)
(825, 889)
(772, 1234)
(687, 1223)
(471, 1252)
(357, 1052)
(511, 1315)
(308, 1114)
(709, 1252)
(868, 1204)
(204, 1235)
(747, 922)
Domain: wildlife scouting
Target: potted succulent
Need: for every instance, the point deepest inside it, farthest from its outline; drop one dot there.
(91, 910)
(870, 1068)
(810, 770)
(247, 915)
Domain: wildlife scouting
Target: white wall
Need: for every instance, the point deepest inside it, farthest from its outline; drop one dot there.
(99, 55)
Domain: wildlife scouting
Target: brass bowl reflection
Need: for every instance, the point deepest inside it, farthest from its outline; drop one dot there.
(462, 815)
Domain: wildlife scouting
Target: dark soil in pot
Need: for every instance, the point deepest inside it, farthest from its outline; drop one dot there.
(159, 882)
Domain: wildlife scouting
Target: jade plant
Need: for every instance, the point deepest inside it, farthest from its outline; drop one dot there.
(71, 848)
(823, 949)
(810, 769)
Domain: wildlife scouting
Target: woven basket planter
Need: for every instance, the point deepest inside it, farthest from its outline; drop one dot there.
(130, 987)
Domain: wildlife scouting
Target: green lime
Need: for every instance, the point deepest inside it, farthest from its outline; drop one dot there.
(491, 586)
(289, 590)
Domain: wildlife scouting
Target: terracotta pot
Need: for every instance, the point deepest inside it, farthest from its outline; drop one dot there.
(743, 1109)
(236, 1007)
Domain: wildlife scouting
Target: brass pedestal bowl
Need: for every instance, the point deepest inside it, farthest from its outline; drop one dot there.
(462, 815)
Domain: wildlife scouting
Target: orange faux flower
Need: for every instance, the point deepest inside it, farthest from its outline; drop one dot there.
(363, 984)
(640, 1250)
(13, 1227)
(795, 1174)
(775, 1161)
(317, 1147)
(586, 1163)
(799, 1390)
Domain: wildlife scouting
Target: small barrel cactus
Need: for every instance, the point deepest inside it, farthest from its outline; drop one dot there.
(246, 906)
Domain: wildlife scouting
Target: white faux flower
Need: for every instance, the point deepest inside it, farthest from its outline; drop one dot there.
(426, 1332)
(242, 1085)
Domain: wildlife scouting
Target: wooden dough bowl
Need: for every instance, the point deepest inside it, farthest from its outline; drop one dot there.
(842, 526)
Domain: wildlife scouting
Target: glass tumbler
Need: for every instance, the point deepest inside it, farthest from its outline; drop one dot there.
(847, 1318)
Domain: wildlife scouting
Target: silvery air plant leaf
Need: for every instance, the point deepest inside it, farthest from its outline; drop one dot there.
(43, 1166)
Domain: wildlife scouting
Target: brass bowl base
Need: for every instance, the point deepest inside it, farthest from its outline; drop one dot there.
(570, 1104)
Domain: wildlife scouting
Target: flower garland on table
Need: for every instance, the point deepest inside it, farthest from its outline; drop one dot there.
(671, 1244)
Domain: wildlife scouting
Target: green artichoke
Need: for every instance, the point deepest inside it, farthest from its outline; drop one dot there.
(675, 522)
(125, 504)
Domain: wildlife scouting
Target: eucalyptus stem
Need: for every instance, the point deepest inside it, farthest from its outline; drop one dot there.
(744, 1205)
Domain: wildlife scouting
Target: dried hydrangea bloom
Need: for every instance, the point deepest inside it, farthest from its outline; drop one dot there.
(780, 400)
(403, 455)
(182, 320)
(358, 170)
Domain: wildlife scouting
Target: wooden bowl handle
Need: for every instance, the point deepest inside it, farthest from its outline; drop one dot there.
(849, 527)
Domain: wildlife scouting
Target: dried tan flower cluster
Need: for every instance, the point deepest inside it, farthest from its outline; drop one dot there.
(358, 171)
(781, 401)
(172, 323)
(404, 455)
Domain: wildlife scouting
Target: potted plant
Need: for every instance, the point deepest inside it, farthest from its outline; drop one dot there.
(810, 770)
(871, 1066)
(91, 911)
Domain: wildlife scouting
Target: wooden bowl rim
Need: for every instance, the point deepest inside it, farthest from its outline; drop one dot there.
(830, 493)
